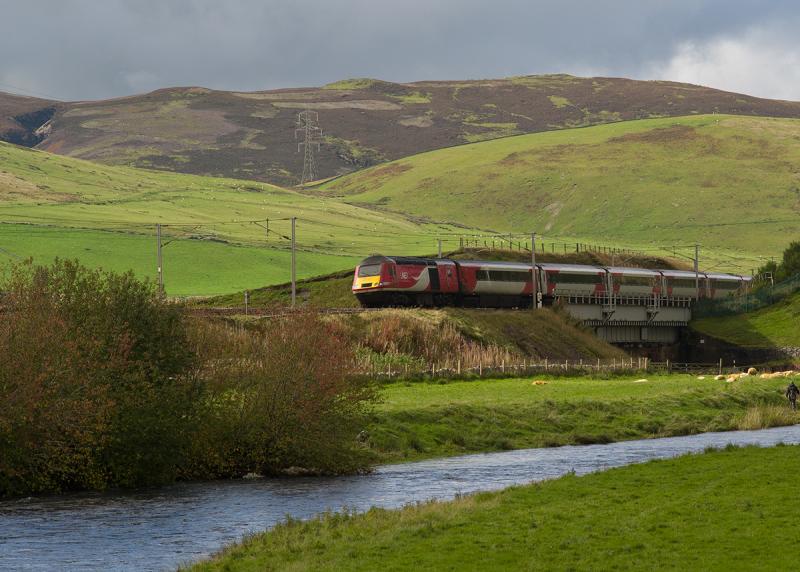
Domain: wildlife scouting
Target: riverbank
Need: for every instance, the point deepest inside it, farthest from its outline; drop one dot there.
(722, 510)
(425, 420)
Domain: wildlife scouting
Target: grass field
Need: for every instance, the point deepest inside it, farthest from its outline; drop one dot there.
(106, 216)
(421, 420)
(732, 509)
(191, 267)
(774, 326)
(726, 182)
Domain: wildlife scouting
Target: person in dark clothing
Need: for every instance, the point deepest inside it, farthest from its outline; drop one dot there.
(791, 393)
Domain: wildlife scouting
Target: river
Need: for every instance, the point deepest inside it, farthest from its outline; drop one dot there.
(162, 528)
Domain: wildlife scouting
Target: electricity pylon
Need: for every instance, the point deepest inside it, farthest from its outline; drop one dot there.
(308, 125)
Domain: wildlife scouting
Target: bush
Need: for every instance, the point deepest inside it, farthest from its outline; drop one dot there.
(104, 383)
(280, 397)
(90, 392)
(789, 265)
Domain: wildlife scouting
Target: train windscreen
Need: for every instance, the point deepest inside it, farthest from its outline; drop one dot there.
(369, 270)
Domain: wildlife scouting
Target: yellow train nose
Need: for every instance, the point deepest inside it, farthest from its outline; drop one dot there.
(368, 282)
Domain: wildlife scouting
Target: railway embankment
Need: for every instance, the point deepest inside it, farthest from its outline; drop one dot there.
(769, 334)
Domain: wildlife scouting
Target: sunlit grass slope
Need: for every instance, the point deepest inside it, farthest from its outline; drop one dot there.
(106, 217)
(774, 326)
(729, 183)
(722, 510)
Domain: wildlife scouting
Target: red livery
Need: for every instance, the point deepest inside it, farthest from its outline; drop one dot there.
(409, 281)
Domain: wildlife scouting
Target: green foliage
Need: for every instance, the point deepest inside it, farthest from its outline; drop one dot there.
(722, 510)
(789, 265)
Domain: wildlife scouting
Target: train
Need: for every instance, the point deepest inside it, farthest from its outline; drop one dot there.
(397, 281)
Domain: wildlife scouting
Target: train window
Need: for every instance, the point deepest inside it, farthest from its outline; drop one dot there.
(509, 275)
(369, 270)
(482, 274)
(683, 282)
(633, 280)
(562, 278)
(726, 285)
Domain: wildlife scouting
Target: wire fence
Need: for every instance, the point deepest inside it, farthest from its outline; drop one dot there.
(458, 369)
(763, 295)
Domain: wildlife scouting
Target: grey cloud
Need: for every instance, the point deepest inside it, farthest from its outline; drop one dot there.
(82, 49)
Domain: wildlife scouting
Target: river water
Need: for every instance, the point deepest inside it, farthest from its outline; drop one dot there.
(162, 528)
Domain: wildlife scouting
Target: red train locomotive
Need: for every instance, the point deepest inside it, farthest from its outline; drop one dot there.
(408, 281)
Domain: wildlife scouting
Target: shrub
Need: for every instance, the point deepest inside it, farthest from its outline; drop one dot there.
(104, 383)
(280, 397)
(90, 392)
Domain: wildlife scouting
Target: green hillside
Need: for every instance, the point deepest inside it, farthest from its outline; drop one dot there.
(729, 183)
(57, 206)
(774, 326)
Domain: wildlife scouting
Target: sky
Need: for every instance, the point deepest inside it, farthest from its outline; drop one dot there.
(96, 49)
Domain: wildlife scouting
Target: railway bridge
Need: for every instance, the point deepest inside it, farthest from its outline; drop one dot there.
(631, 319)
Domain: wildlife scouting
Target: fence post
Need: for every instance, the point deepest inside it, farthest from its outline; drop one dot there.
(433, 369)
(458, 366)
(669, 367)
(720, 366)
(480, 368)
(545, 364)
(503, 366)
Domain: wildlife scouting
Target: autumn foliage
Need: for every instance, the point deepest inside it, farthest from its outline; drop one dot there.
(105, 383)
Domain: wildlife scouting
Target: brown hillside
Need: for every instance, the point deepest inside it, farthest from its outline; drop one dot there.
(251, 135)
(21, 117)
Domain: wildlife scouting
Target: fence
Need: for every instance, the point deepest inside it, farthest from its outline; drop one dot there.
(763, 295)
(543, 246)
(524, 367)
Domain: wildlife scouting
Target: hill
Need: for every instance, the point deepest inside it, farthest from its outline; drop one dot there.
(364, 121)
(729, 183)
(21, 118)
(105, 216)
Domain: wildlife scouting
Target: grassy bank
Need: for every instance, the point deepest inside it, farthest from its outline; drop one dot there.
(421, 420)
(773, 326)
(722, 510)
